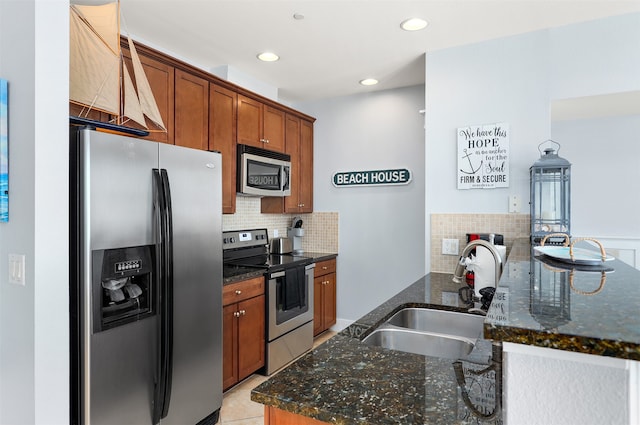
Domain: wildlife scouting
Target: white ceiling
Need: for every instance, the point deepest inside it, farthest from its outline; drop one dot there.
(339, 42)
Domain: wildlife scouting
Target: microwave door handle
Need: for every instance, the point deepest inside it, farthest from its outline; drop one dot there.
(285, 177)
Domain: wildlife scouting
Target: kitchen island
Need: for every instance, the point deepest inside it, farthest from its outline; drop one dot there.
(347, 382)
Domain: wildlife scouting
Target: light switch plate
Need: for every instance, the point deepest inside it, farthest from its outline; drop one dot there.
(16, 269)
(450, 247)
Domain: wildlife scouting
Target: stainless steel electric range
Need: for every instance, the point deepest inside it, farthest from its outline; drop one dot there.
(289, 292)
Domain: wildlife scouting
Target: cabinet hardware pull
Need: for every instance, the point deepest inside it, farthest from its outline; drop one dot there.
(238, 292)
(236, 314)
(325, 267)
(243, 312)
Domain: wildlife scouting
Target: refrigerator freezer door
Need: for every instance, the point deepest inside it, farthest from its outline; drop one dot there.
(196, 201)
(118, 364)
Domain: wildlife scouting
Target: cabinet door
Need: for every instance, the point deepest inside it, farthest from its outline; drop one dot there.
(251, 336)
(229, 346)
(318, 289)
(161, 80)
(273, 129)
(329, 300)
(249, 121)
(223, 109)
(291, 203)
(305, 190)
(191, 111)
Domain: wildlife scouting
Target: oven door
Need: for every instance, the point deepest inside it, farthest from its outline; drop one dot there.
(290, 299)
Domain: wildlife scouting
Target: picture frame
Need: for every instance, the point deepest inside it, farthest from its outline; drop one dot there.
(4, 151)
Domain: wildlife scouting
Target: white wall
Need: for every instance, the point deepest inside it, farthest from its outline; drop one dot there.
(513, 80)
(381, 228)
(605, 174)
(34, 356)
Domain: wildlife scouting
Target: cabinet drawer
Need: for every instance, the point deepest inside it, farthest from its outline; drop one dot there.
(240, 291)
(325, 267)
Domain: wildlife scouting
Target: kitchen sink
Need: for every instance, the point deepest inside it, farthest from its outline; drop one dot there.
(430, 332)
(440, 321)
(417, 342)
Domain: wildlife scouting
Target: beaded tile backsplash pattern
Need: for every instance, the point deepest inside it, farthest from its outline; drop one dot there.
(321, 228)
(456, 226)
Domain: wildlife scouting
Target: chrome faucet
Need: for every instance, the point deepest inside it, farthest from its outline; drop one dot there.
(458, 274)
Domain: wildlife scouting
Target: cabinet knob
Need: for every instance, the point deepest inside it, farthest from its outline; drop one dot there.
(265, 141)
(238, 292)
(242, 313)
(325, 267)
(236, 314)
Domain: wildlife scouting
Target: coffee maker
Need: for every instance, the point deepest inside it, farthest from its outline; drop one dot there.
(296, 232)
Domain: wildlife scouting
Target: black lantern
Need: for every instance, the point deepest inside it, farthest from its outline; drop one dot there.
(550, 195)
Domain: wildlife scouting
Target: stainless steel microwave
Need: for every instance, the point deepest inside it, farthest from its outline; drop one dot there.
(262, 172)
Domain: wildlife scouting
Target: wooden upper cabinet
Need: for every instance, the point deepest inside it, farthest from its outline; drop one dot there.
(223, 106)
(161, 80)
(293, 148)
(305, 195)
(273, 128)
(299, 145)
(260, 125)
(249, 121)
(191, 111)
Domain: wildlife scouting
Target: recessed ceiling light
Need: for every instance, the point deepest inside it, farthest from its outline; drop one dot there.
(413, 24)
(369, 82)
(268, 57)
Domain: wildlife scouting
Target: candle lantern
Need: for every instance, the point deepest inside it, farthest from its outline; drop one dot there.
(550, 195)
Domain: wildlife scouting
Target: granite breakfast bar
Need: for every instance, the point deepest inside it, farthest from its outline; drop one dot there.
(344, 381)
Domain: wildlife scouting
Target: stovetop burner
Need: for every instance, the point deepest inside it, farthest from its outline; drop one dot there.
(246, 250)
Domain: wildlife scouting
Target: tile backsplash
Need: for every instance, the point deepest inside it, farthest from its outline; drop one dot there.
(456, 226)
(321, 228)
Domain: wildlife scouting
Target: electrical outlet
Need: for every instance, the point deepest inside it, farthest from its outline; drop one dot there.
(275, 233)
(450, 247)
(450, 298)
(514, 204)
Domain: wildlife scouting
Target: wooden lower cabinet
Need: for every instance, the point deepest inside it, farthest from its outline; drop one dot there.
(243, 330)
(275, 416)
(324, 296)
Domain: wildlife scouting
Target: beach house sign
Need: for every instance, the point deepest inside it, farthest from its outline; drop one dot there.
(372, 177)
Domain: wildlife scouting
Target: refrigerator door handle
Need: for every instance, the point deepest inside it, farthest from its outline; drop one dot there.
(167, 314)
(164, 238)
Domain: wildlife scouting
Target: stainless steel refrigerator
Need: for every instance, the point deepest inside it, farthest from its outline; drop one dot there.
(145, 281)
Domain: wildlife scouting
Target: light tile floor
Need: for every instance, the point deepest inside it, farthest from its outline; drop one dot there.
(237, 407)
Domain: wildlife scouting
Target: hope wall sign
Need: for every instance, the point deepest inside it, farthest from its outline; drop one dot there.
(483, 156)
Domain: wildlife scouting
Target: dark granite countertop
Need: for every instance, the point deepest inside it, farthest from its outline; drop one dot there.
(544, 303)
(538, 303)
(345, 381)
